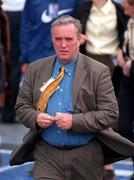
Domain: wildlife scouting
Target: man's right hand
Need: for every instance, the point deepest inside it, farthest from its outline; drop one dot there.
(44, 120)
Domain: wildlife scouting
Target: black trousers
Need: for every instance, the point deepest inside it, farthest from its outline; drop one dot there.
(126, 108)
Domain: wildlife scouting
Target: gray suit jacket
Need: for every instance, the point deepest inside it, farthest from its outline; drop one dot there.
(93, 100)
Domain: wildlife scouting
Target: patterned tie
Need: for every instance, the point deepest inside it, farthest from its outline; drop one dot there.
(50, 89)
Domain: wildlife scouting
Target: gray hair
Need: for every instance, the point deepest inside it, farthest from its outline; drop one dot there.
(65, 20)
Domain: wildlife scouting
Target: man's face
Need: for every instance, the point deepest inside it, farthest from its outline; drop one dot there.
(66, 42)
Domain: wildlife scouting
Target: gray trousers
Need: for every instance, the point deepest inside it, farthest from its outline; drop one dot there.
(83, 163)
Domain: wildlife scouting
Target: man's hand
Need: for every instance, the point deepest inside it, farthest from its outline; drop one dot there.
(128, 6)
(44, 120)
(63, 120)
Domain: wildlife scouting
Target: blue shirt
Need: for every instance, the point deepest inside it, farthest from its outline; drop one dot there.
(61, 101)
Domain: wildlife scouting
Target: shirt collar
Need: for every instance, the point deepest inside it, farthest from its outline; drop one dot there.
(106, 9)
(69, 68)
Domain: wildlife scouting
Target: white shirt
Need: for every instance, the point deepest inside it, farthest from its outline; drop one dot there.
(13, 5)
(101, 30)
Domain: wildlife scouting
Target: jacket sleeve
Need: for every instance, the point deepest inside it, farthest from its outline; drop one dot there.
(27, 22)
(25, 108)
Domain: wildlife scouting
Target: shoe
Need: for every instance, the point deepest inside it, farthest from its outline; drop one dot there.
(109, 174)
(132, 177)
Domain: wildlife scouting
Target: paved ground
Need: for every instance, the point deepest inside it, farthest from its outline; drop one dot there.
(11, 134)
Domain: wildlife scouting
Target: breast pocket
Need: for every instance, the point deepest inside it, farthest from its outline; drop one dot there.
(86, 100)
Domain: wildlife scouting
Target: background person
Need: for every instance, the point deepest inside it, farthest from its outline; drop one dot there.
(104, 24)
(13, 10)
(126, 62)
(35, 37)
(5, 62)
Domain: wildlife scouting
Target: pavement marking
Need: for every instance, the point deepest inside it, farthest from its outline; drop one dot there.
(125, 162)
(124, 173)
(8, 167)
(6, 151)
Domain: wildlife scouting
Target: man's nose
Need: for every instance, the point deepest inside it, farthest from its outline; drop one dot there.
(64, 44)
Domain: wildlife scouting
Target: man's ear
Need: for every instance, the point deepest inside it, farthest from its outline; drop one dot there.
(83, 39)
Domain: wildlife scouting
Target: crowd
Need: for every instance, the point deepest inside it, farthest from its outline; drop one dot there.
(29, 33)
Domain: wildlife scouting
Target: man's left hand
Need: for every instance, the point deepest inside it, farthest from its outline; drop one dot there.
(63, 120)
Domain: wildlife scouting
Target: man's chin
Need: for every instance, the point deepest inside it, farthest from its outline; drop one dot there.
(64, 60)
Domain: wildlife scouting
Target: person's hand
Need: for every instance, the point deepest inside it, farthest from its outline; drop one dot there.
(126, 68)
(120, 58)
(63, 120)
(44, 120)
(128, 7)
(83, 39)
(24, 68)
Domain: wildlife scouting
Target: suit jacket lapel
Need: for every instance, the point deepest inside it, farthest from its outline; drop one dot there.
(80, 73)
(46, 73)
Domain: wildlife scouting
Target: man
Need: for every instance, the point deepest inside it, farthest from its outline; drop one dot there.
(82, 105)
(35, 36)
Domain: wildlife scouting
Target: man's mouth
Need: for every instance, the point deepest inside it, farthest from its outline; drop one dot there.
(64, 51)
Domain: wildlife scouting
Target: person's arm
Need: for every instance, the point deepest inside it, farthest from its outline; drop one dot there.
(106, 113)
(26, 27)
(120, 58)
